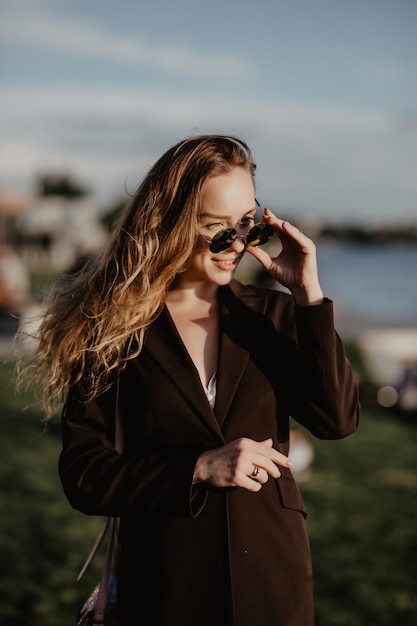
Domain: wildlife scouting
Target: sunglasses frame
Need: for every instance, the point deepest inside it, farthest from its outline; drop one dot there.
(258, 235)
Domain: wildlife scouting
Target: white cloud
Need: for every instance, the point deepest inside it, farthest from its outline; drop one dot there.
(333, 161)
(80, 38)
(167, 106)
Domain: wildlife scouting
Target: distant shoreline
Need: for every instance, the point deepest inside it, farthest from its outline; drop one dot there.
(359, 234)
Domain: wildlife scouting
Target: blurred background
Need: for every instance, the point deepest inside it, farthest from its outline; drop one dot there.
(91, 94)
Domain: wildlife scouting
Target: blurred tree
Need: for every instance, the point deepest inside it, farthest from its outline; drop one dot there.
(59, 185)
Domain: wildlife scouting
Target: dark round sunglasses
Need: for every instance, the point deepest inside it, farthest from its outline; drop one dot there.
(258, 235)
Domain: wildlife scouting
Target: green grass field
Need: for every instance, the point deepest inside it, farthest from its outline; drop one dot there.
(361, 497)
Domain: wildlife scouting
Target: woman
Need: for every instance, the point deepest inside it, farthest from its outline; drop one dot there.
(205, 372)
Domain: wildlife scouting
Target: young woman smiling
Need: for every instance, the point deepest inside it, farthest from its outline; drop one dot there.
(206, 372)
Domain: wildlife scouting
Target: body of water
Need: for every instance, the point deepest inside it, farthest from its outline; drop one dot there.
(374, 283)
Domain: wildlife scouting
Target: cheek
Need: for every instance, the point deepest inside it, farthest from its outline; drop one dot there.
(200, 245)
(200, 261)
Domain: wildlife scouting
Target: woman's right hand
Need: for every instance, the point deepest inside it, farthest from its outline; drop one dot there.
(295, 266)
(235, 463)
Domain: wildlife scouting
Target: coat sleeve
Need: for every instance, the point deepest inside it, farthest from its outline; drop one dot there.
(99, 481)
(325, 395)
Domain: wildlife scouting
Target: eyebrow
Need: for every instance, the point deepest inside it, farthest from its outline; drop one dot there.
(213, 216)
(217, 216)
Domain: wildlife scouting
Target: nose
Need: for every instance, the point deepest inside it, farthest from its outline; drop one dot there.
(239, 243)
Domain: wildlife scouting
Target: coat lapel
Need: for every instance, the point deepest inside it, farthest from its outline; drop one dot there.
(165, 345)
(231, 365)
(237, 304)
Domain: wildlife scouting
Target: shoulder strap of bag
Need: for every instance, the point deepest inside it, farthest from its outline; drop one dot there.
(105, 573)
(105, 576)
(95, 548)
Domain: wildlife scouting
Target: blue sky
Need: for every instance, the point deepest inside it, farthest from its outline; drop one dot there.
(323, 90)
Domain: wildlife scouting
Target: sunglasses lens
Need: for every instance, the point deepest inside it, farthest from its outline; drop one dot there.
(259, 234)
(223, 240)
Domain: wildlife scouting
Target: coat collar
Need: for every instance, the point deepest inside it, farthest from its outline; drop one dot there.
(165, 345)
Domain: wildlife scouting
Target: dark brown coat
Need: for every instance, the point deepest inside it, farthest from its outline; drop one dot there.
(204, 556)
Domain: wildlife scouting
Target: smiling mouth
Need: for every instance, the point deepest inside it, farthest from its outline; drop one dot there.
(226, 264)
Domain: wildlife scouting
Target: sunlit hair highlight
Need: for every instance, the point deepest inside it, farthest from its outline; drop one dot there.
(96, 320)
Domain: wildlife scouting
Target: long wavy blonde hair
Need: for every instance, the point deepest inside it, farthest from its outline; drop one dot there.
(95, 321)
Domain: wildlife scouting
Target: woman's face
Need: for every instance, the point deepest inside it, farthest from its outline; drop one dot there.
(227, 201)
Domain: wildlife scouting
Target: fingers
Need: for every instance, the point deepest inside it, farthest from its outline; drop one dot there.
(240, 463)
(261, 255)
(257, 478)
(265, 448)
(259, 460)
(284, 227)
(291, 238)
(267, 466)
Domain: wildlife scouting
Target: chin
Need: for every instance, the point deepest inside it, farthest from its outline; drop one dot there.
(224, 280)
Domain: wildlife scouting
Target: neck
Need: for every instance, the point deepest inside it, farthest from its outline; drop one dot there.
(187, 292)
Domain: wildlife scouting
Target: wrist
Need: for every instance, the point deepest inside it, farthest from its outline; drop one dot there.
(198, 476)
(308, 297)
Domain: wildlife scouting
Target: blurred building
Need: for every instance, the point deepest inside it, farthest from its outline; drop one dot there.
(54, 226)
(44, 233)
(55, 231)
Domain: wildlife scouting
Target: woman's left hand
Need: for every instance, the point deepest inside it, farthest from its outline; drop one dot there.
(295, 266)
